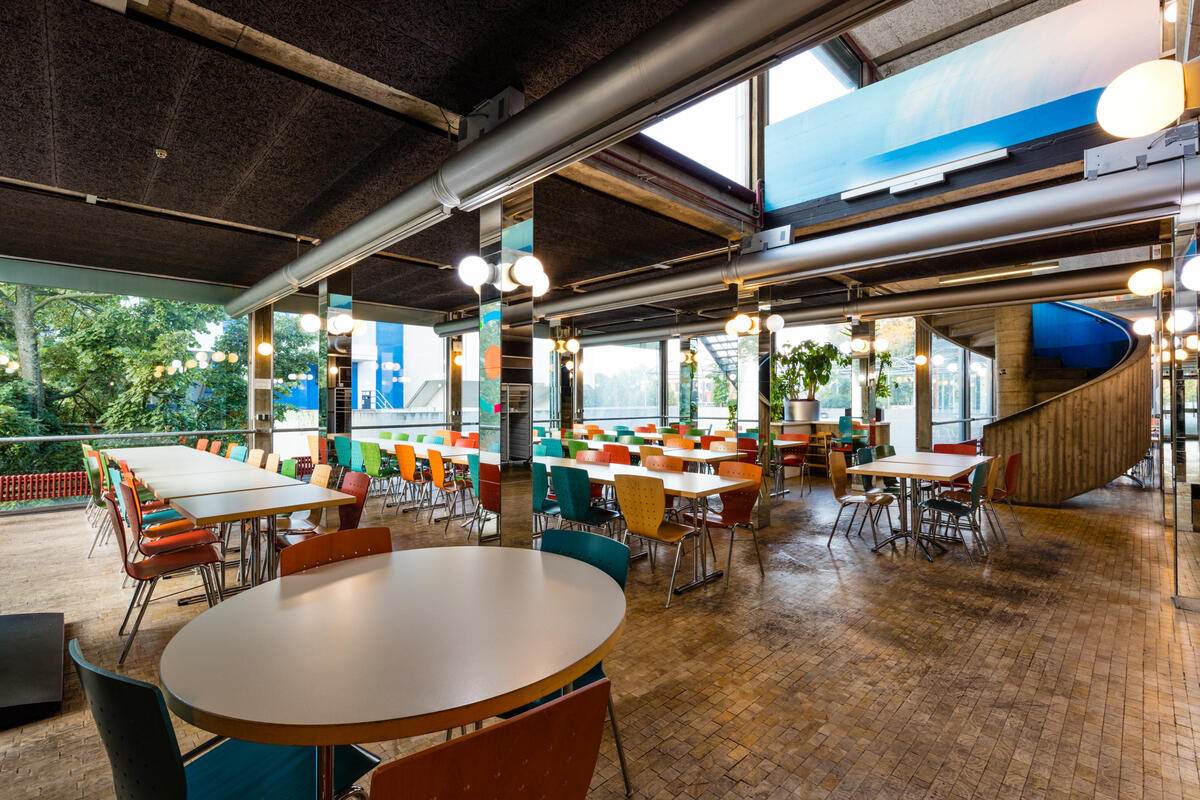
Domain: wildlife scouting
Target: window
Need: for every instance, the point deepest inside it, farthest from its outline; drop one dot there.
(470, 382)
(901, 406)
(399, 377)
(809, 79)
(714, 386)
(714, 132)
(544, 394)
(297, 384)
(945, 370)
(980, 391)
(835, 397)
(621, 383)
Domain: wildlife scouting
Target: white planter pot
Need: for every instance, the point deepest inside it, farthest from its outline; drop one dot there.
(802, 410)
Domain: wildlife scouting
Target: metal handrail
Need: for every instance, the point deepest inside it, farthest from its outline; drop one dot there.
(95, 436)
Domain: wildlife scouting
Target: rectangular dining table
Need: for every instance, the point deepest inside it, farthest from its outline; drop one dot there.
(908, 468)
(694, 487)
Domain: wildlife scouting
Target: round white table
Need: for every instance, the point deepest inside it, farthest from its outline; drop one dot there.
(390, 646)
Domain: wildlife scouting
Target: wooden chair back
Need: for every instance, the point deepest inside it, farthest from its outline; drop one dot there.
(738, 504)
(592, 457)
(320, 475)
(330, 547)
(643, 503)
(272, 463)
(725, 434)
(647, 450)
(255, 457)
(677, 443)
(837, 474)
(549, 751)
(723, 447)
(663, 463)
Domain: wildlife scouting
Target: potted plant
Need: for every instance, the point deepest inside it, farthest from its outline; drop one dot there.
(800, 371)
(883, 386)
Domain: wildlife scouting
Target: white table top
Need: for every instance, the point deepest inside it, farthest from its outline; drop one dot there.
(209, 509)
(169, 487)
(391, 645)
(682, 484)
(896, 467)
(420, 449)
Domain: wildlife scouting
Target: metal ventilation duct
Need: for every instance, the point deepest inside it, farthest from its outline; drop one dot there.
(704, 46)
(1042, 288)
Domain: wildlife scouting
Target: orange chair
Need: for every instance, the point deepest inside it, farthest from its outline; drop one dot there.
(215, 447)
(678, 443)
(617, 453)
(146, 573)
(451, 490)
(202, 444)
(663, 463)
(594, 457)
(644, 429)
(737, 509)
(413, 480)
(332, 547)
(549, 751)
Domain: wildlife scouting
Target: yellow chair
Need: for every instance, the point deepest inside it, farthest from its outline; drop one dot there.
(645, 450)
(725, 433)
(303, 521)
(723, 447)
(643, 504)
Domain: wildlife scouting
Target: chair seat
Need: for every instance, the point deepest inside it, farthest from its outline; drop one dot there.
(168, 528)
(178, 541)
(715, 519)
(670, 532)
(552, 509)
(283, 540)
(599, 516)
(237, 769)
(947, 506)
(169, 515)
(853, 498)
(175, 560)
(793, 461)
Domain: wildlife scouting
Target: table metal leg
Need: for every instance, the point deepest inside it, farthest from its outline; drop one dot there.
(700, 573)
(325, 772)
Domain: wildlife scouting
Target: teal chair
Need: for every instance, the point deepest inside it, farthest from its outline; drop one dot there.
(553, 447)
(543, 507)
(539, 449)
(846, 434)
(432, 440)
(239, 453)
(153, 518)
(575, 447)
(146, 763)
(342, 450)
(574, 493)
(538, 431)
(954, 511)
(612, 558)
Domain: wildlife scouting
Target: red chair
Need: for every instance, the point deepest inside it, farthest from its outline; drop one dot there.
(747, 450)
(318, 449)
(489, 497)
(549, 751)
(594, 457)
(146, 573)
(705, 441)
(332, 547)
(795, 457)
(644, 429)
(617, 453)
(683, 428)
(960, 449)
(353, 483)
(1012, 475)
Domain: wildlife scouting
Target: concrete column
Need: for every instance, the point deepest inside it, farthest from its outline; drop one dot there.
(924, 386)
(261, 374)
(687, 383)
(1014, 359)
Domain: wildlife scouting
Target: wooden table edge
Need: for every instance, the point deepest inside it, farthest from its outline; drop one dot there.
(212, 520)
(384, 730)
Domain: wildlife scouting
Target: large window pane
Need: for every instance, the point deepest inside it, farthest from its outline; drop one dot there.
(900, 407)
(836, 396)
(806, 81)
(543, 392)
(297, 392)
(399, 377)
(980, 377)
(470, 382)
(715, 132)
(620, 383)
(945, 369)
(715, 386)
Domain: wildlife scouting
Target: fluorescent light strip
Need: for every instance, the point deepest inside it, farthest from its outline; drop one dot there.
(1005, 274)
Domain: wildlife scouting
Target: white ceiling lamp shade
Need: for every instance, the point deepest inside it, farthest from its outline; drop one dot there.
(572, 345)
(341, 323)
(1143, 99)
(1146, 282)
(859, 345)
(1189, 276)
(1181, 320)
(921, 360)
(741, 324)
(775, 323)
(540, 285)
(527, 269)
(881, 345)
(505, 282)
(474, 271)
(265, 348)
(1170, 12)
(1144, 326)
(310, 323)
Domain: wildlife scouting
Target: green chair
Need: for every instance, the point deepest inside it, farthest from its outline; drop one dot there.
(695, 432)
(96, 487)
(630, 439)
(574, 493)
(954, 511)
(667, 429)
(604, 437)
(400, 437)
(575, 447)
(146, 763)
(421, 437)
(567, 434)
(372, 464)
(385, 435)
(288, 468)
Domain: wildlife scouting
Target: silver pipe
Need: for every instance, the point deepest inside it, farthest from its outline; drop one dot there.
(90, 437)
(1123, 197)
(703, 47)
(1070, 285)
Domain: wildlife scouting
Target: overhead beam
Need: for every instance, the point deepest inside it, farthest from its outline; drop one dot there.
(221, 30)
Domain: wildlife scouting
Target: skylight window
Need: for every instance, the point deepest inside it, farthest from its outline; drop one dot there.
(714, 132)
(806, 81)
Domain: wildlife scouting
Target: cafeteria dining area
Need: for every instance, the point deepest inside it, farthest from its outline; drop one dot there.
(693, 399)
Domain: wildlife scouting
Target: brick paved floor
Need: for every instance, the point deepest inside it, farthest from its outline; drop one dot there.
(1057, 669)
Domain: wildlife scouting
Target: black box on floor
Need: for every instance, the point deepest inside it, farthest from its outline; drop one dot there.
(31, 667)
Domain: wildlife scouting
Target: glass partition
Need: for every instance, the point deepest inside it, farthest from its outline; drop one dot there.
(297, 401)
(979, 390)
(900, 403)
(945, 370)
(621, 383)
(399, 378)
(470, 382)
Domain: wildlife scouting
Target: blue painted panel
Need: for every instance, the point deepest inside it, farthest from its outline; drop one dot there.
(518, 237)
(1061, 330)
(1032, 80)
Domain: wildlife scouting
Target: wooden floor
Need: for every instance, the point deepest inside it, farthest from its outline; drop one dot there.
(1059, 668)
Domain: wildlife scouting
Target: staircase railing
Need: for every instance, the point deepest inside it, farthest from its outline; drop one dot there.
(1084, 438)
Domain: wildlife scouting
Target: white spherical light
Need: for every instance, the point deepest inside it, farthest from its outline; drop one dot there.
(233, 358)
(310, 323)
(859, 345)
(921, 360)
(1146, 282)
(1170, 12)
(881, 344)
(742, 323)
(1181, 320)
(474, 271)
(1144, 326)
(506, 282)
(265, 348)
(526, 270)
(540, 285)
(1142, 99)
(1189, 276)
(775, 323)
(572, 345)
(729, 329)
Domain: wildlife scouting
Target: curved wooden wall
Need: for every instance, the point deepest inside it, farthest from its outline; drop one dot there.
(1081, 439)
